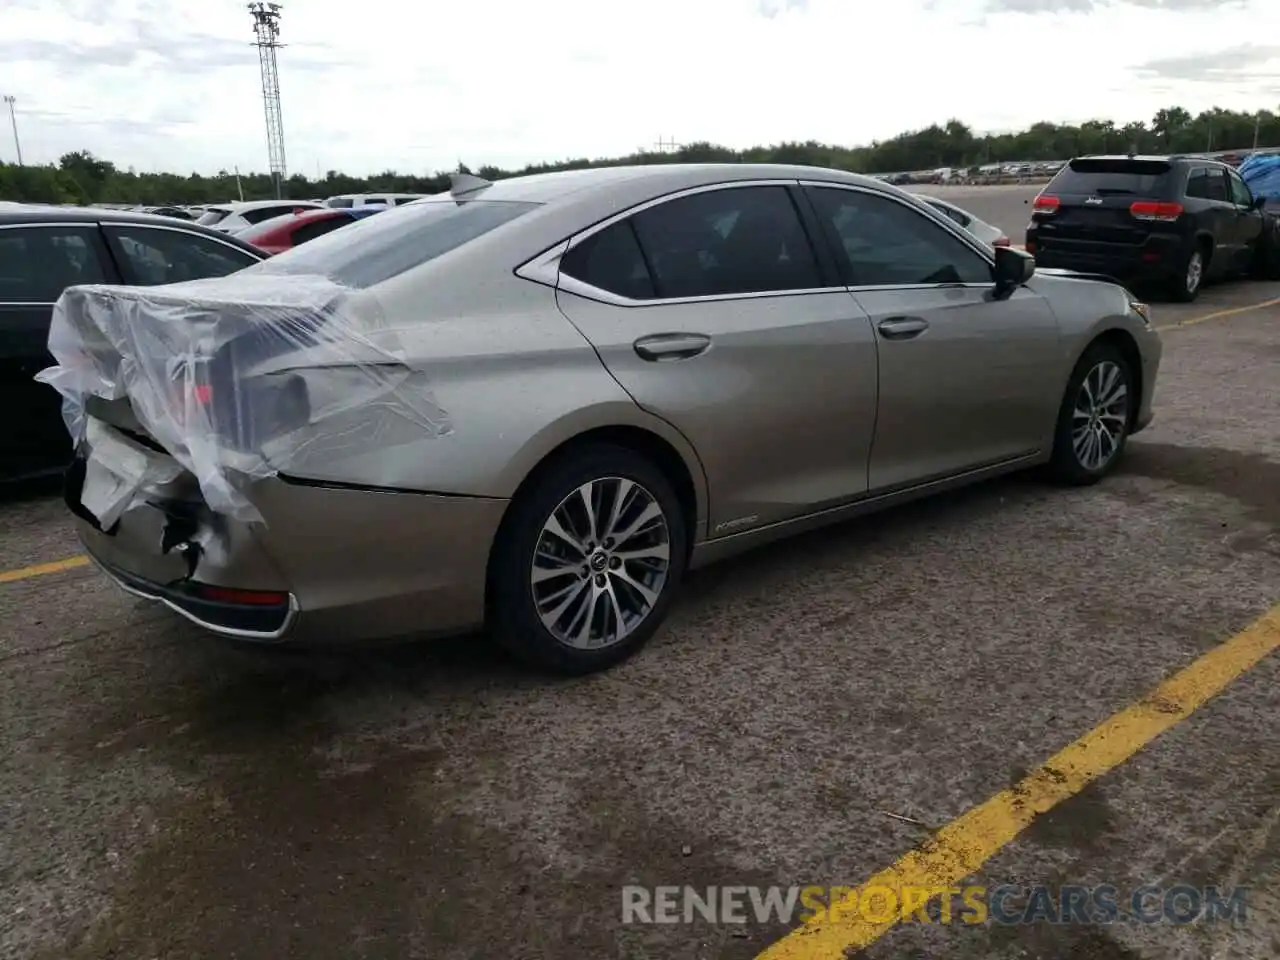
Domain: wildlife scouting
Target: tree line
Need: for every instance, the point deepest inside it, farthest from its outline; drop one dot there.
(80, 177)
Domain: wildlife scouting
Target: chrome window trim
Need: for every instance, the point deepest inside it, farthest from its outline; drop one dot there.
(935, 216)
(544, 268)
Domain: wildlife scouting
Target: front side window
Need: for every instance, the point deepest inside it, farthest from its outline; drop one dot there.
(1240, 192)
(172, 256)
(38, 263)
(729, 241)
(886, 243)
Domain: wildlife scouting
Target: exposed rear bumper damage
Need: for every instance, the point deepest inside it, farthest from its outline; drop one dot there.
(239, 378)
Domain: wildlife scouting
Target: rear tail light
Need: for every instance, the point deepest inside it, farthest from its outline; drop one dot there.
(1155, 210)
(1045, 203)
(1000, 242)
(244, 598)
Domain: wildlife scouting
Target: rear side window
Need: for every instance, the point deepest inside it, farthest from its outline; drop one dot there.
(384, 246)
(38, 263)
(1207, 184)
(342, 203)
(724, 242)
(611, 260)
(1101, 177)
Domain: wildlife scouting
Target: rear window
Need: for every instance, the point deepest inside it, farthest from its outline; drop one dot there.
(211, 216)
(379, 248)
(341, 203)
(1100, 177)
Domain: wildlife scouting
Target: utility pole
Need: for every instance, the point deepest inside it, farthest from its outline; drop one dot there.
(1257, 127)
(266, 28)
(13, 120)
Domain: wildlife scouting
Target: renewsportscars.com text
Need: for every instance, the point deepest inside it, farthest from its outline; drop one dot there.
(1007, 904)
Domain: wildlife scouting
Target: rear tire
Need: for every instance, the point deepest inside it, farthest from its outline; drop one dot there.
(573, 596)
(1186, 284)
(1094, 419)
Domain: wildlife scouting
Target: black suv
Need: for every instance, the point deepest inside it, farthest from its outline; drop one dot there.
(44, 250)
(1171, 221)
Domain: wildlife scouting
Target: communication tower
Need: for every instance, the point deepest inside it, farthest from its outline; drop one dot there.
(266, 27)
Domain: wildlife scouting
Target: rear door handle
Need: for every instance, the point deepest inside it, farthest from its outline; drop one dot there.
(902, 328)
(672, 346)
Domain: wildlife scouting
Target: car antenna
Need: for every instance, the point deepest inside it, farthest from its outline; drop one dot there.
(463, 184)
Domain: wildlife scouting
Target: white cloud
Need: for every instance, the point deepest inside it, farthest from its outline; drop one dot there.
(417, 87)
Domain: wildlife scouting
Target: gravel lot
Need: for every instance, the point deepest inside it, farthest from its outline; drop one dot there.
(166, 795)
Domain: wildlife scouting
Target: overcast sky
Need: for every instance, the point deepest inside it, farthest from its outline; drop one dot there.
(393, 84)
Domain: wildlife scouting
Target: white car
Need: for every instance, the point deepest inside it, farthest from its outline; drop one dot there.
(992, 236)
(348, 200)
(233, 217)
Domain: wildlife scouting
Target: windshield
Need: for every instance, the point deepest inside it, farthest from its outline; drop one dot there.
(1111, 177)
(212, 215)
(378, 248)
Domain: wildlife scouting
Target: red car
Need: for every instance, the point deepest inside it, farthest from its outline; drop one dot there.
(284, 233)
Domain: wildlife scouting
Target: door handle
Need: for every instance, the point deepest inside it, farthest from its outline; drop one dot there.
(671, 346)
(902, 328)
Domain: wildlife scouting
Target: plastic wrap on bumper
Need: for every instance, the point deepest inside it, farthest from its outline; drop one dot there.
(238, 377)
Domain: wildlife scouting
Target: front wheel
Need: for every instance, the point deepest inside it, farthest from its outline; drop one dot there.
(1095, 416)
(588, 561)
(1266, 260)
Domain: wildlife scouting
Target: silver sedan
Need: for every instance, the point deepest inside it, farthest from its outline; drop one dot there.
(535, 403)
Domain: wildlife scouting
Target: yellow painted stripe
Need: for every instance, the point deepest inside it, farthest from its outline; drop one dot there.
(959, 849)
(40, 569)
(1221, 314)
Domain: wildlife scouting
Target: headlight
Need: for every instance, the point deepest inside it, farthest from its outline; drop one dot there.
(1141, 310)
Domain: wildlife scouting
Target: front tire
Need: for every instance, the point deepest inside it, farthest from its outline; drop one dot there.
(1095, 417)
(587, 562)
(1266, 261)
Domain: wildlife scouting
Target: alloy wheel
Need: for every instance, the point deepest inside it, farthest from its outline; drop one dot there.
(1100, 415)
(600, 563)
(1195, 271)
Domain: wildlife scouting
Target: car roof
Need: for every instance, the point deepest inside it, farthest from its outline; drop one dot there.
(17, 213)
(553, 186)
(240, 206)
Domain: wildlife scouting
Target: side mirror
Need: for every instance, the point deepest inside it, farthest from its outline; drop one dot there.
(1013, 269)
(1258, 203)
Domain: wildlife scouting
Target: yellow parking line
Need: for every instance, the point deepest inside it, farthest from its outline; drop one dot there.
(1220, 314)
(40, 569)
(959, 849)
